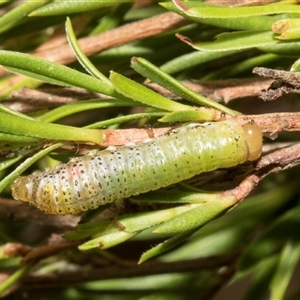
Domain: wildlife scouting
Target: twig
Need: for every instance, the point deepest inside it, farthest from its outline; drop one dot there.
(221, 90)
(286, 82)
(274, 162)
(29, 100)
(22, 212)
(42, 252)
(116, 37)
(115, 271)
(271, 123)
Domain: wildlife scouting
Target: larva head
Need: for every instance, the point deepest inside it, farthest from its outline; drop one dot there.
(20, 188)
(253, 136)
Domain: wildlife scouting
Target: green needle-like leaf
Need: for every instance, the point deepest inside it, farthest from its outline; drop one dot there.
(167, 245)
(70, 6)
(196, 217)
(203, 10)
(108, 240)
(14, 278)
(12, 17)
(235, 41)
(140, 93)
(141, 221)
(287, 263)
(221, 19)
(50, 72)
(150, 71)
(15, 125)
(81, 57)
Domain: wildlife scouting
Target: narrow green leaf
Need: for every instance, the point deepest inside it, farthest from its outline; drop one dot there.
(124, 119)
(10, 142)
(7, 138)
(197, 217)
(235, 41)
(296, 66)
(223, 12)
(290, 48)
(192, 59)
(14, 278)
(72, 108)
(166, 245)
(261, 277)
(8, 110)
(70, 6)
(87, 229)
(242, 66)
(162, 196)
(140, 93)
(287, 263)
(112, 18)
(108, 240)
(222, 235)
(189, 116)
(238, 23)
(50, 72)
(16, 125)
(152, 72)
(144, 220)
(13, 16)
(81, 57)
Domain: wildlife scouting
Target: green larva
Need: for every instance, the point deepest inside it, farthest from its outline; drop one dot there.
(104, 176)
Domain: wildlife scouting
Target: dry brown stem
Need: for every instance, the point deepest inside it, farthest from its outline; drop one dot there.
(129, 270)
(116, 37)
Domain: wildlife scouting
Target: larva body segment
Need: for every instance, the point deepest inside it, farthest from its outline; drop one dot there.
(118, 172)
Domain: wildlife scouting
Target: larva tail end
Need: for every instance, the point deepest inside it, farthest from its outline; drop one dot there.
(20, 189)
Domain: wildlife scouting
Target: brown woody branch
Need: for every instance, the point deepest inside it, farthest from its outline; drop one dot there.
(270, 123)
(126, 270)
(27, 100)
(15, 211)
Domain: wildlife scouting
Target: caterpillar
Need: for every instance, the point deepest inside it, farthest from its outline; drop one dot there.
(104, 176)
